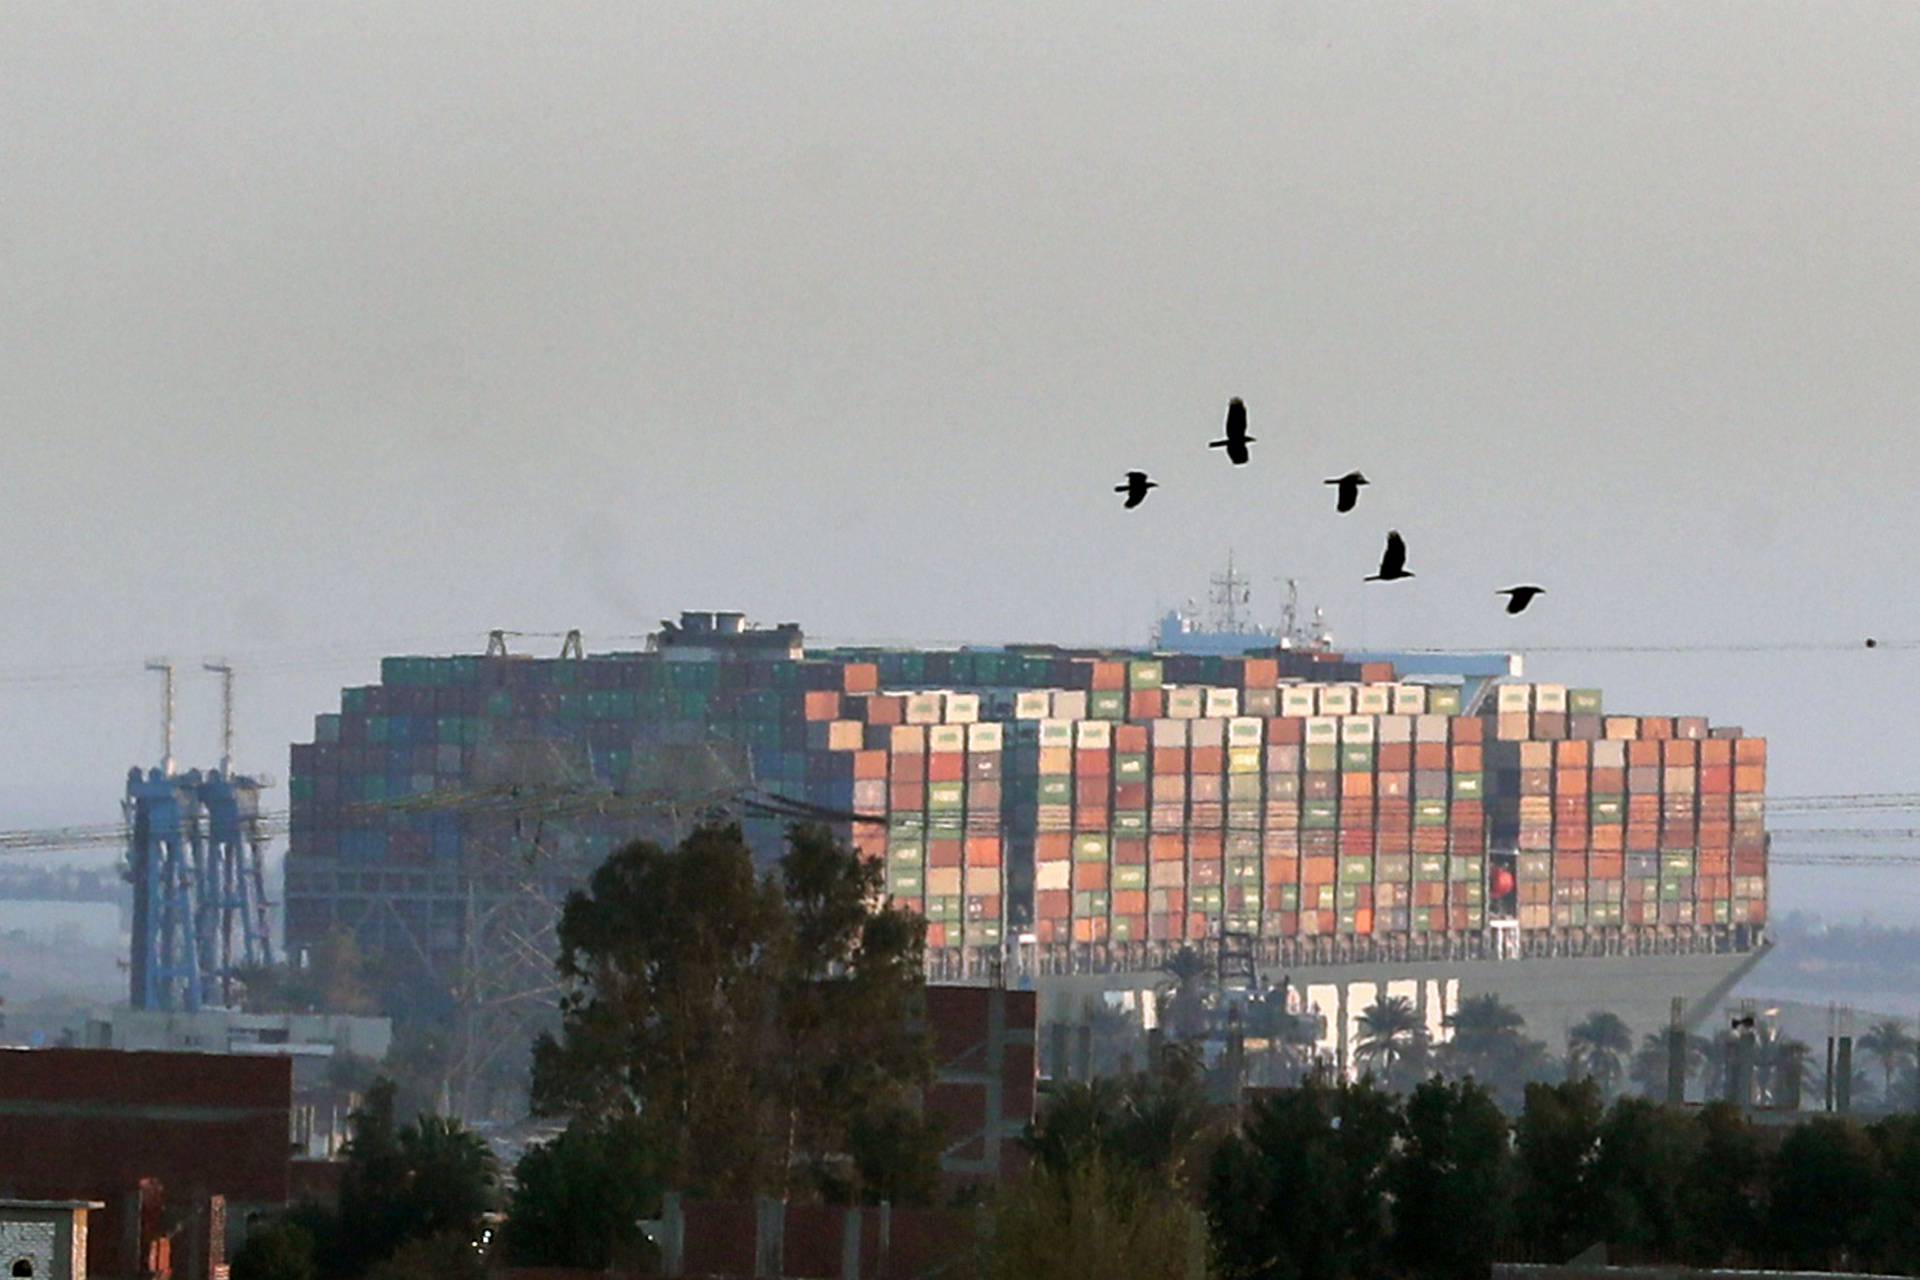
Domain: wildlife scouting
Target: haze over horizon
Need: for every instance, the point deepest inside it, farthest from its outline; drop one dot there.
(328, 332)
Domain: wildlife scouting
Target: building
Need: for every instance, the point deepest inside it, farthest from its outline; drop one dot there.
(45, 1239)
(987, 1067)
(164, 1142)
(316, 1044)
(1069, 819)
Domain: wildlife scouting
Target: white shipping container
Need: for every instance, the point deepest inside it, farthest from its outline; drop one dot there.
(1185, 704)
(1223, 703)
(1430, 728)
(1357, 730)
(1373, 699)
(1245, 731)
(1207, 733)
(1093, 735)
(1509, 698)
(1170, 733)
(1032, 704)
(985, 737)
(1053, 875)
(1069, 704)
(1409, 699)
(1323, 731)
(1550, 698)
(1300, 700)
(1395, 729)
(963, 708)
(1336, 700)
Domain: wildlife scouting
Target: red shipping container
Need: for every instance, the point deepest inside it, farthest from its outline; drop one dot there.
(1659, 728)
(1394, 757)
(1282, 871)
(1679, 751)
(1168, 848)
(860, 677)
(1129, 902)
(821, 704)
(1170, 760)
(936, 936)
(1643, 752)
(1355, 786)
(943, 853)
(1206, 844)
(907, 797)
(1469, 759)
(1092, 817)
(1467, 729)
(1109, 676)
(1208, 759)
(869, 764)
(1285, 731)
(1130, 851)
(1750, 751)
(1089, 876)
(1094, 763)
(1432, 755)
(983, 851)
(946, 766)
(1749, 779)
(1090, 791)
(1054, 846)
(1130, 739)
(1716, 751)
(1146, 704)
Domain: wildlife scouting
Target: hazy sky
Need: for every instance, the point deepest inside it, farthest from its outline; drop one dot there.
(327, 330)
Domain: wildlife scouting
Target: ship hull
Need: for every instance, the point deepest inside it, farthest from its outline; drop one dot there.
(1551, 993)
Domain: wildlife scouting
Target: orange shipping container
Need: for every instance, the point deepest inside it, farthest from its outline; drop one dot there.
(1168, 848)
(946, 766)
(1146, 704)
(821, 704)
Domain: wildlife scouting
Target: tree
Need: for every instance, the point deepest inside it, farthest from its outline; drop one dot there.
(1116, 1036)
(1896, 1210)
(275, 1250)
(1152, 1124)
(745, 1023)
(1556, 1140)
(1888, 1043)
(1090, 1222)
(1723, 1197)
(1301, 1190)
(1487, 1044)
(1188, 995)
(448, 1256)
(1290, 1036)
(578, 1199)
(1823, 1195)
(1640, 1177)
(405, 1183)
(1451, 1178)
(1597, 1047)
(1388, 1030)
(336, 979)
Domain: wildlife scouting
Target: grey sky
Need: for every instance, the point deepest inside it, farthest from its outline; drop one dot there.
(324, 329)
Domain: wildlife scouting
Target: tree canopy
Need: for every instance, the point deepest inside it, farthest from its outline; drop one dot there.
(748, 1025)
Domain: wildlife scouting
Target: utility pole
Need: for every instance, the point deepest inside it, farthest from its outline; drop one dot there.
(165, 668)
(225, 672)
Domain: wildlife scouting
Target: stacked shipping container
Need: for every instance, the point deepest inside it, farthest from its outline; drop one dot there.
(1101, 803)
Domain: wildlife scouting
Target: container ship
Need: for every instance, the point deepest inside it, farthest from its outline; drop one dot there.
(1070, 819)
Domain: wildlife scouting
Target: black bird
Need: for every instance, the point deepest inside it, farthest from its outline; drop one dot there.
(1393, 561)
(1135, 488)
(1518, 598)
(1349, 489)
(1236, 439)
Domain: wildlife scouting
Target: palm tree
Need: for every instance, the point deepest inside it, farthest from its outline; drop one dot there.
(1290, 1036)
(1115, 1036)
(1597, 1047)
(1188, 993)
(1387, 1031)
(1482, 1022)
(1889, 1042)
(1776, 1059)
(1649, 1066)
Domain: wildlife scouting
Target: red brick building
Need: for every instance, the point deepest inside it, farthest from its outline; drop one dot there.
(165, 1140)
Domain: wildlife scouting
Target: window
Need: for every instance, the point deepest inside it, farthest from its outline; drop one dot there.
(23, 1267)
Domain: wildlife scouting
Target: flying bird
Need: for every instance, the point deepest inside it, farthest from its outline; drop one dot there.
(1236, 440)
(1518, 598)
(1393, 561)
(1349, 489)
(1135, 488)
